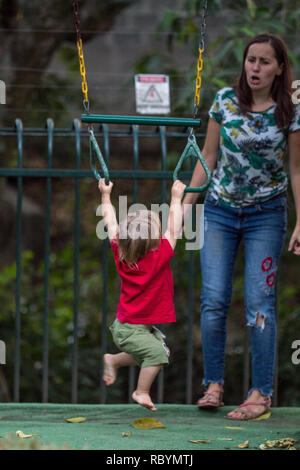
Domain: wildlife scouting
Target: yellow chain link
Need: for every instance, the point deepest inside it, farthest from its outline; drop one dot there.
(84, 86)
(198, 79)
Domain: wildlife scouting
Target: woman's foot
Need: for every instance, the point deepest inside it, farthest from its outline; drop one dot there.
(110, 369)
(143, 399)
(255, 406)
(212, 398)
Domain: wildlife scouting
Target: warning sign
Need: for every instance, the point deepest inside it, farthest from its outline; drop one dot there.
(152, 94)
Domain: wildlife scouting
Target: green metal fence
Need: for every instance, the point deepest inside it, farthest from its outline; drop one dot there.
(77, 136)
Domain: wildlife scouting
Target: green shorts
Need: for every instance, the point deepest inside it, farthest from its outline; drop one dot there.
(144, 342)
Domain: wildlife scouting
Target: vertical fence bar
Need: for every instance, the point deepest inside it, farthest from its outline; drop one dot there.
(19, 129)
(163, 144)
(135, 136)
(105, 247)
(74, 391)
(275, 394)
(189, 350)
(246, 374)
(49, 126)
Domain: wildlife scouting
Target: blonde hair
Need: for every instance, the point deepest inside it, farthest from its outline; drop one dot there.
(140, 232)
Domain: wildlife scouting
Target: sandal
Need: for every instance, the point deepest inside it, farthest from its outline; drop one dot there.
(209, 403)
(248, 414)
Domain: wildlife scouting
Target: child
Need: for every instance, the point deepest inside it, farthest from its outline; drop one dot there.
(142, 259)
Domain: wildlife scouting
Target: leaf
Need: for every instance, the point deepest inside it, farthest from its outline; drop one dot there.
(264, 416)
(24, 436)
(200, 442)
(285, 443)
(126, 434)
(79, 419)
(244, 445)
(232, 427)
(147, 423)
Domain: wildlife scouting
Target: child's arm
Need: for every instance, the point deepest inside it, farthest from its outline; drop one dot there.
(174, 226)
(108, 210)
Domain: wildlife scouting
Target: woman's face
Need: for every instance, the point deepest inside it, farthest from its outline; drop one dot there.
(261, 67)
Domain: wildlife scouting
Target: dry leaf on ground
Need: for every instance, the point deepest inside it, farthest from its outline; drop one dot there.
(233, 427)
(264, 416)
(147, 423)
(22, 435)
(285, 443)
(79, 419)
(244, 445)
(200, 442)
(126, 434)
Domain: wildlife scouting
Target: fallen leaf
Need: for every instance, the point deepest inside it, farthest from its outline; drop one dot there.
(232, 427)
(79, 419)
(285, 443)
(244, 445)
(24, 436)
(200, 442)
(264, 416)
(126, 434)
(225, 439)
(147, 423)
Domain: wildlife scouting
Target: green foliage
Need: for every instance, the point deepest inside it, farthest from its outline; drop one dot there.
(60, 322)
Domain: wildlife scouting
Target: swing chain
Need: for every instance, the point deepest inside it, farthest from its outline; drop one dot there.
(84, 86)
(201, 49)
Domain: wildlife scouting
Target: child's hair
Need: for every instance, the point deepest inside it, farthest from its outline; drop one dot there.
(139, 233)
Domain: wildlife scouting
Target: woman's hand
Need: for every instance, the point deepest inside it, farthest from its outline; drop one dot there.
(295, 241)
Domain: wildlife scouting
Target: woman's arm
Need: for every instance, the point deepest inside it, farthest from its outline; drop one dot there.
(294, 159)
(210, 153)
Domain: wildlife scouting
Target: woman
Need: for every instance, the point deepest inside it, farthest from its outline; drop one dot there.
(249, 131)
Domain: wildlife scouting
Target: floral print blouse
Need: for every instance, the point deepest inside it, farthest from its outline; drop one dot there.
(250, 165)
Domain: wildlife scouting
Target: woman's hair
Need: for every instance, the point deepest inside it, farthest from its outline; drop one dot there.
(139, 233)
(282, 85)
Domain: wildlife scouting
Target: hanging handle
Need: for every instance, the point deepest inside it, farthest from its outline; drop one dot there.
(192, 150)
(94, 148)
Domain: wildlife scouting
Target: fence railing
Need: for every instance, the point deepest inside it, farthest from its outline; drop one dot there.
(77, 135)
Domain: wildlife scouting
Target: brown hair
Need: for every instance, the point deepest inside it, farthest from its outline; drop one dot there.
(139, 233)
(282, 85)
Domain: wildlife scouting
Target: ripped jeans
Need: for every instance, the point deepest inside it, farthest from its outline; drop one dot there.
(262, 227)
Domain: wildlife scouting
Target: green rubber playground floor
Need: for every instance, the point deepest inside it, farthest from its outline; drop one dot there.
(105, 426)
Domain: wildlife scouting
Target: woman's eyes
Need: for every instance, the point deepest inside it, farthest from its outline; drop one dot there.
(265, 62)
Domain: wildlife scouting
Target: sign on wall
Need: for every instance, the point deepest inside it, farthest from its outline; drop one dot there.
(152, 94)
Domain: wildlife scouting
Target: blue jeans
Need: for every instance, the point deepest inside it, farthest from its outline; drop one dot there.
(262, 227)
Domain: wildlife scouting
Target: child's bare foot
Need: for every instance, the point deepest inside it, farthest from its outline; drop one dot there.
(110, 369)
(143, 399)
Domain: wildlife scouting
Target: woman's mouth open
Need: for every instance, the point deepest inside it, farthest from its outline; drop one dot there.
(254, 80)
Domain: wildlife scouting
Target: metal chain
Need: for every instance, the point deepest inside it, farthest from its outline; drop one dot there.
(201, 49)
(84, 85)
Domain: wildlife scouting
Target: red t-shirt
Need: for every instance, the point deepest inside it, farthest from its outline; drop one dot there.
(147, 290)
